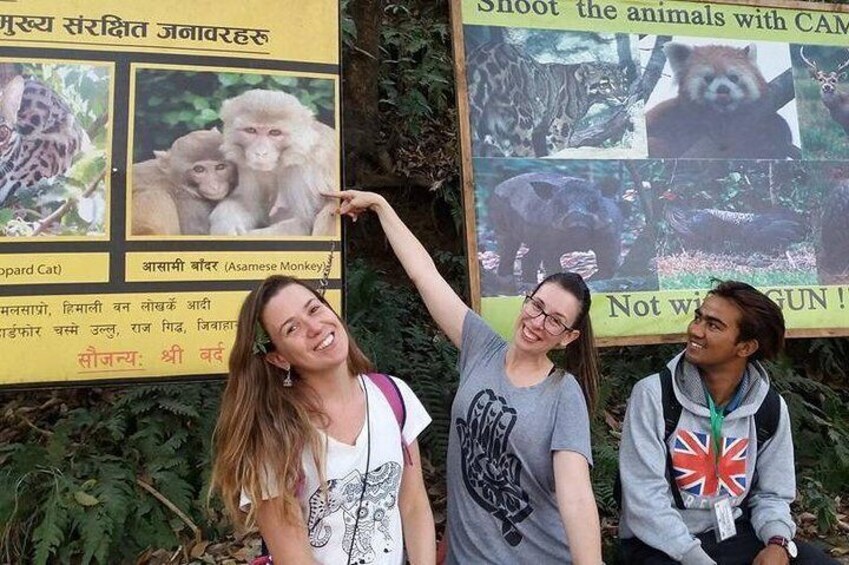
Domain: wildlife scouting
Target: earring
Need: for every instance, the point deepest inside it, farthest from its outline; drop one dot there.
(287, 378)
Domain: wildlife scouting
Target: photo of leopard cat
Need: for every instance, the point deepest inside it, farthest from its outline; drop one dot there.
(535, 93)
(39, 136)
(52, 148)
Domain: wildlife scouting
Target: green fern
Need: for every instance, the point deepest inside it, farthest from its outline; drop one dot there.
(86, 506)
(831, 356)
(604, 472)
(50, 532)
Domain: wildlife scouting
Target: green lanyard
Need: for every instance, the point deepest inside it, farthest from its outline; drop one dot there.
(716, 418)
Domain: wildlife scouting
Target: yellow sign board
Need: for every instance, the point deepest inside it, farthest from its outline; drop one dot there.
(157, 162)
(652, 146)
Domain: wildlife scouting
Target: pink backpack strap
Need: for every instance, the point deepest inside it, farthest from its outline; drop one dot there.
(393, 396)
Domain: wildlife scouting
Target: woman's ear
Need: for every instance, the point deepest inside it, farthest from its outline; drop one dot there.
(276, 359)
(568, 338)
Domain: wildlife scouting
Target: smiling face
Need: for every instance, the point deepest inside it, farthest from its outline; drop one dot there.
(712, 336)
(306, 333)
(530, 334)
(719, 77)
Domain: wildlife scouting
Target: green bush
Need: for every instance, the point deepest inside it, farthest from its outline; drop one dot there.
(72, 491)
(416, 63)
(394, 329)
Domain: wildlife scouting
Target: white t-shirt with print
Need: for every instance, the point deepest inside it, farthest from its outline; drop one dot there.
(332, 519)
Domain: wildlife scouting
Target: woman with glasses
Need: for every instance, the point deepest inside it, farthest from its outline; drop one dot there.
(519, 448)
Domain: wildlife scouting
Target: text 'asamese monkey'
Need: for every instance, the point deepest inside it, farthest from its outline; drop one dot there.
(174, 193)
(285, 159)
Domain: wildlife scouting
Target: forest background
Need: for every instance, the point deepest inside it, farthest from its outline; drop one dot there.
(121, 474)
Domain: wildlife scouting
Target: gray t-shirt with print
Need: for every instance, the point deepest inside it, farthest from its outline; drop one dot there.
(502, 506)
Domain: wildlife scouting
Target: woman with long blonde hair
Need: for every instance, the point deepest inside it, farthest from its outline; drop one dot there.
(309, 446)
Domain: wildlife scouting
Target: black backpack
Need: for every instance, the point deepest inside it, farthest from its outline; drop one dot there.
(766, 423)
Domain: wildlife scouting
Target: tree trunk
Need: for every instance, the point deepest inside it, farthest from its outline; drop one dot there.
(360, 86)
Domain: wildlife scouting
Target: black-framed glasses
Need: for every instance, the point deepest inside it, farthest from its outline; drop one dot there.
(533, 308)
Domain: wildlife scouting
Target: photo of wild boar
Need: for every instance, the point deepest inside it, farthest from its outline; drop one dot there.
(540, 218)
(553, 214)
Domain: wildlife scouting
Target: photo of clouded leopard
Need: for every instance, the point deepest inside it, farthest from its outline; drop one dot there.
(520, 107)
(721, 110)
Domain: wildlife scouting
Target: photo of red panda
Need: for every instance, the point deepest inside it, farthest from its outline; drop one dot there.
(722, 101)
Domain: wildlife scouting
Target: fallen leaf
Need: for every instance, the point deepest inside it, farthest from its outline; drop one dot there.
(198, 549)
(807, 517)
(611, 421)
(85, 499)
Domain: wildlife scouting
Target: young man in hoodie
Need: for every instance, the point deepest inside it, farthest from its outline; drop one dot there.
(707, 474)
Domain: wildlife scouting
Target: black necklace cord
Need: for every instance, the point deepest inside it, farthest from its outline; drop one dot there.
(365, 475)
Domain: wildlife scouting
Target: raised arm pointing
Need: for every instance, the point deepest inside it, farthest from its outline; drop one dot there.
(446, 308)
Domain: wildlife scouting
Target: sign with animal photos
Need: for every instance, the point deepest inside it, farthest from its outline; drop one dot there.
(652, 146)
(156, 162)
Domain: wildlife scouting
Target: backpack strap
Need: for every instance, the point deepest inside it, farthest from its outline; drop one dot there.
(767, 417)
(671, 415)
(393, 396)
(766, 423)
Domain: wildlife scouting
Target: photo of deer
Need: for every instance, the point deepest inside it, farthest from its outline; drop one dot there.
(822, 92)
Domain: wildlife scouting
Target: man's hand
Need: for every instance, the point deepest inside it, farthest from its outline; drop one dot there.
(772, 555)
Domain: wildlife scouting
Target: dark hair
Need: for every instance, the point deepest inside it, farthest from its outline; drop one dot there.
(760, 318)
(581, 357)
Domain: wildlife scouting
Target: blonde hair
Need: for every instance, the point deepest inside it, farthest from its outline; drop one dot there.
(263, 427)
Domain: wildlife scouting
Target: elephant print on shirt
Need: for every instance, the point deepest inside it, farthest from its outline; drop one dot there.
(343, 495)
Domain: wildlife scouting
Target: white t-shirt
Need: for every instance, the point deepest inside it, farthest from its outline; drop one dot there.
(331, 519)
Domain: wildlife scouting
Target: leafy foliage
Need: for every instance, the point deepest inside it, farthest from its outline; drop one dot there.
(73, 493)
(819, 413)
(416, 67)
(347, 25)
(394, 330)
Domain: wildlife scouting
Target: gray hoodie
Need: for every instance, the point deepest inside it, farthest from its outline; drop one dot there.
(648, 510)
